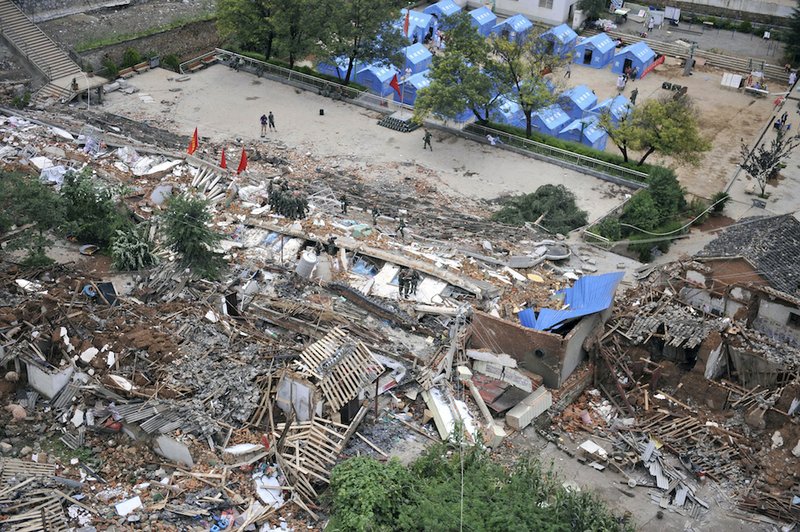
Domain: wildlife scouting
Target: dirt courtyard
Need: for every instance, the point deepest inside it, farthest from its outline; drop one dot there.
(727, 117)
(225, 105)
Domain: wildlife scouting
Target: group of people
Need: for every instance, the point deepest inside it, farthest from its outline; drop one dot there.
(782, 124)
(291, 204)
(407, 280)
(267, 120)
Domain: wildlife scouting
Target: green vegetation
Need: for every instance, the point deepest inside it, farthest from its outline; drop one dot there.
(554, 204)
(360, 30)
(21, 101)
(719, 200)
(427, 496)
(593, 9)
(93, 215)
(792, 36)
(667, 125)
(659, 209)
(573, 147)
(30, 210)
(172, 62)
(187, 232)
(764, 162)
(125, 37)
(132, 249)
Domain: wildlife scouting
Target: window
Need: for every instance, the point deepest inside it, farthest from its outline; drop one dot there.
(547, 4)
(794, 320)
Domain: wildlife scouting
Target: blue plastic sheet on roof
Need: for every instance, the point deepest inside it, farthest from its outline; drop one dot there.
(601, 42)
(640, 50)
(418, 23)
(618, 107)
(589, 295)
(418, 58)
(484, 19)
(443, 8)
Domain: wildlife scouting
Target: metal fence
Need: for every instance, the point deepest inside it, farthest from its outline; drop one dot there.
(636, 178)
(620, 174)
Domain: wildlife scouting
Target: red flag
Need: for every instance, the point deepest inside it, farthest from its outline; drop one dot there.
(396, 86)
(406, 23)
(223, 163)
(242, 162)
(194, 143)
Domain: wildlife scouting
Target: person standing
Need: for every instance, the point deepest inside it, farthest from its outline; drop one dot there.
(271, 119)
(651, 24)
(792, 78)
(621, 83)
(375, 214)
(343, 203)
(426, 140)
(568, 73)
(402, 281)
(634, 94)
(263, 126)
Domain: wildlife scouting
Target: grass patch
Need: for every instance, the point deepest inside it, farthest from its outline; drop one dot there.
(125, 37)
(573, 147)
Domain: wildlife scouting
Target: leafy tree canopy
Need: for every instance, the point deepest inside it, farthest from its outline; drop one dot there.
(554, 204)
(593, 9)
(368, 495)
(187, 232)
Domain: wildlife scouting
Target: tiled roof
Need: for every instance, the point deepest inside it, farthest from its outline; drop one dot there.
(771, 245)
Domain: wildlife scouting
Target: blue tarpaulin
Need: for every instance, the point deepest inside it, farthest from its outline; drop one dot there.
(550, 120)
(483, 19)
(418, 58)
(413, 84)
(596, 51)
(419, 24)
(442, 9)
(577, 101)
(507, 112)
(562, 39)
(376, 78)
(589, 295)
(339, 70)
(637, 55)
(617, 108)
(587, 131)
(518, 25)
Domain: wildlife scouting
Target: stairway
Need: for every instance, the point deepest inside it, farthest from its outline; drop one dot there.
(44, 54)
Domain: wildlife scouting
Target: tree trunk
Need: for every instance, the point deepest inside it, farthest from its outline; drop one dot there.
(268, 46)
(349, 70)
(623, 148)
(646, 155)
(528, 123)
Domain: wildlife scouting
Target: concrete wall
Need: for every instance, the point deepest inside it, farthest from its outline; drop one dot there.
(530, 8)
(765, 11)
(186, 42)
(550, 355)
(773, 320)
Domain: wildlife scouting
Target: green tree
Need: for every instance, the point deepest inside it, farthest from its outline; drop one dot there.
(522, 66)
(669, 126)
(623, 134)
(551, 206)
(667, 193)
(368, 495)
(463, 78)
(248, 22)
(363, 32)
(92, 215)
(297, 24)
(640, 212)
(186, 230)
(29, 210)
(132, 249)
(792, 36)
(593, 9)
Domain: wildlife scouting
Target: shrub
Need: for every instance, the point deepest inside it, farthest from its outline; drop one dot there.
(131, 57)
(609, 228)
(719, 200)
(172, 62)
(21, 101)
(92, 214)
(745, 26)
(555, 204)
(132, 249)
(187, 232)
(110, 67)
(697, 209)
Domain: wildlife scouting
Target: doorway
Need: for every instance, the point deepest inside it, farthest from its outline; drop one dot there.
(587, 56)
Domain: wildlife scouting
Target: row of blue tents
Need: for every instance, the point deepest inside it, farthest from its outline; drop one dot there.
(575, 116)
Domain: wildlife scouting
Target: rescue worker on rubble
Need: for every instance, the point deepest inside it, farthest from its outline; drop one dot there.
(344, 203)
(401, 228)
(402, 282)
(413, 281)
(375, 214)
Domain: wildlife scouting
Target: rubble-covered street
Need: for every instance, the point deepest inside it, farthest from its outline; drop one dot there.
(369, 317)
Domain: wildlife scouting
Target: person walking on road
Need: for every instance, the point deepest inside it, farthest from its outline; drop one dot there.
(271, 119)
(263, 125)
(426, 140)
(634, 94)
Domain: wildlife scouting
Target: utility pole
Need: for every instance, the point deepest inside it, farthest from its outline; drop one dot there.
(687, 68)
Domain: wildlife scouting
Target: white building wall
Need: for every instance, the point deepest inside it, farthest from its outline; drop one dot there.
(530, 8)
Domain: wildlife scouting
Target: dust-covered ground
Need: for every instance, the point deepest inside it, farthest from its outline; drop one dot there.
(225, 105)
(726, 117)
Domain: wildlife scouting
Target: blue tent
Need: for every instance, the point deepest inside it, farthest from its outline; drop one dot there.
(413, 84)
(442, 9)
(562, 40)
(638, 56)
(419, 24)
(418, 58)
(376, 78)
(577, 101)
(596, 51)
(617, 107)
(507, 112)
(518, 24)
(550, 120)
(586, 131)
(338, 70)
(483, 19)
(589, 295)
